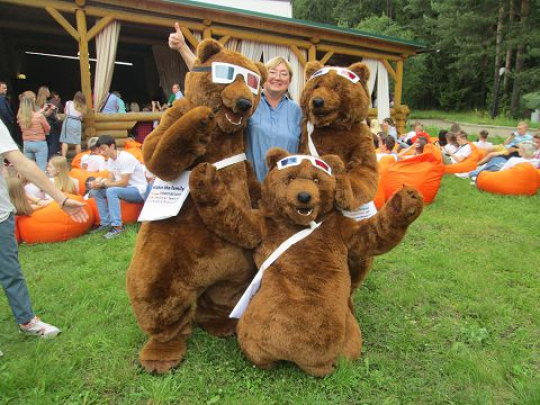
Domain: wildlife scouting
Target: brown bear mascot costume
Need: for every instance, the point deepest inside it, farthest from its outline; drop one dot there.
(335, 103)
(301, 312)
(182, 271)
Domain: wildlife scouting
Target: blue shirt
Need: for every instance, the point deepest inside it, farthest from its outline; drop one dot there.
(272, 127)
(518, 139)
(111, 106)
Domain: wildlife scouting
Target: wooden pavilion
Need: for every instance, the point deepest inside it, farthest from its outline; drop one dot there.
(75, 25)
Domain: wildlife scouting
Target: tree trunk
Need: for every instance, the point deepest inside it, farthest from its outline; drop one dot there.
(516, 91)
(508, 64)
(498, 42)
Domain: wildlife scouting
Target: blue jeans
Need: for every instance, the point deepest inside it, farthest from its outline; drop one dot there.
(493, 165)
(37, 151)
(108, 203)
(11, 276)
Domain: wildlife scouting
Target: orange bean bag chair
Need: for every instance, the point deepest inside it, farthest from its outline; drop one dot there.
(130, 211)
(17, 233)
(522, 179)
(135, 148)
(467, 165)
(76, 162)
(82, 175)
(50, 224)
(424, 172)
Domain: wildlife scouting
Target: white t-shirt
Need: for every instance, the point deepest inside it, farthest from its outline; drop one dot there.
(462, 151)
(517, 160)
(6, 145)
(449, 148)
(126, 163)
(95, 162)
(483, 144)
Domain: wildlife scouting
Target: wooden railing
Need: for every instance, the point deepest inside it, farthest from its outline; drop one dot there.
(117, 125)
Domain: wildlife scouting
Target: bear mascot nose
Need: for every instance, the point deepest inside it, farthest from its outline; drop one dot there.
(243, 104)
(304, 197)
(318, 102)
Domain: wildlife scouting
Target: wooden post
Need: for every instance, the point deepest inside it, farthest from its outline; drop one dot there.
(312, 53)
(84, 57)
(298, 54)
(399, 83)
(327, 56)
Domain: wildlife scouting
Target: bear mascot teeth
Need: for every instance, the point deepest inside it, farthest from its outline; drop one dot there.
(301, 311)
(335, 103)
(181, 271)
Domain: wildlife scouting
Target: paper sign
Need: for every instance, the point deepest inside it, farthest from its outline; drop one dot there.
(166, 198)
(364, 212)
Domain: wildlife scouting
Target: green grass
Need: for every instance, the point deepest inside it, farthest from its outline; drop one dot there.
(450, 316)
(470, 117)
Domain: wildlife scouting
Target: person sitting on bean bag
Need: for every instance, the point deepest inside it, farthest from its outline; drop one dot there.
(126, 181)
(418, 148)
(464, 149)
(93, 162)
(526, 152)
(58, 172)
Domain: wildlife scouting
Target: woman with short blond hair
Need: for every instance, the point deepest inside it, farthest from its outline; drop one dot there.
(72, 126)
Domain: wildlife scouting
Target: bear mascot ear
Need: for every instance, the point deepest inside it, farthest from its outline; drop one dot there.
(274, 155)
(263, 71)
(361, 70)
(335, 162)
(208, 48)
(312, 67)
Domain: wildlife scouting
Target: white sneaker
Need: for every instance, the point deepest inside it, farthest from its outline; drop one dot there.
(37, 327)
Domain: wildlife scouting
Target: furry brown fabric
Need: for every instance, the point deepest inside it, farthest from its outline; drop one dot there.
(301, 312)
(181, 271)
(338, 108)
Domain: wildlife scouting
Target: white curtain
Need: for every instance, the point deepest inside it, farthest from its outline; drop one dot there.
(106, 45)
(271, 51)
(171, 69)
(383, 95)
(372, 65)
(234, 44)
(297, 83)
(251, 49)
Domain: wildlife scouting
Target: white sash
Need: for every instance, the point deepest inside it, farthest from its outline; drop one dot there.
(252, 289)
(167, 197)
(365, 211)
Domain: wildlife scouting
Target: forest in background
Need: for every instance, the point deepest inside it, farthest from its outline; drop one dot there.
(468, 42)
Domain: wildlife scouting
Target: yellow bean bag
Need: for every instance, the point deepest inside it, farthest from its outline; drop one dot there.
(467, 165)
(522, 179)
(51, 224)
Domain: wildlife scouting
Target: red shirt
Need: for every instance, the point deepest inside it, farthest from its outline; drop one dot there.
(423, 135)
(37, 130)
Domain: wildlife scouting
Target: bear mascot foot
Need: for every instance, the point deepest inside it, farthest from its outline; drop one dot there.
(161, 357)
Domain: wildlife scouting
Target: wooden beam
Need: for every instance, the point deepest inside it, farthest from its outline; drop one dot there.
(96, 29)
(389, 68)
(224, 39)
(326, 57)
(312, 53)
(260, 37)
(86, 86)
(59, 18)
(207, 33)
(356, 52)
(131, 116)
(298, 54)
(399, 83)
(189, 37)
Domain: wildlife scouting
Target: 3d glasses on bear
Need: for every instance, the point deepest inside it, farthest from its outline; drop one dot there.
(295, 160)
(346, 73)
(225, 73)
